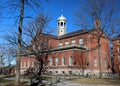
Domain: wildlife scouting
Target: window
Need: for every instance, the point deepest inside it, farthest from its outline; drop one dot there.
(70, 60)
(32, 63)
(51, 61)
(39, 47)
(58, 24)
(60, 44)
(73, 41)
(24, 64)
(118, 49)
(81, 41)
(57, 61)
(118, 58)
(45, 44)
(33, 47)
(28, 63)
(95, 62)
(63, 61)
(119, 67)
(105, 63)
(61, 23)
(66, 43)
(64, 23)
(118, 41)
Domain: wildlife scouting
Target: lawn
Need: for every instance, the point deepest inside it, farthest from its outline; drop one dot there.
(4, 82)
(97, 81)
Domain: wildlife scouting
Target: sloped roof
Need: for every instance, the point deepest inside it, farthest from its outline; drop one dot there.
(75, 33)
(117, 37)
(78, 32)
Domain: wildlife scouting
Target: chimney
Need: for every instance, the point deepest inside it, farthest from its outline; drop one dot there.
(97, 23)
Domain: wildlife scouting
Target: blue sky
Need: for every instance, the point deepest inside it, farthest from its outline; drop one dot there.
(54, 8)
(65, 7)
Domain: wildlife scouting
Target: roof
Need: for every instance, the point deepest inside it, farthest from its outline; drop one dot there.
(75, 33)
(117, 37)
(78, 32)
(61, 18)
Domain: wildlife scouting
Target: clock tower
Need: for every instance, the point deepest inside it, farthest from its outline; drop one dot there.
(61, 25)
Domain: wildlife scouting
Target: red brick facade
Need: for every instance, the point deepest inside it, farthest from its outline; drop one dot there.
(84, 56)
(74, 52)
(116, 54)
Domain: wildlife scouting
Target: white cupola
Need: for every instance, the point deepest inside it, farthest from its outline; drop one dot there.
(61, 25)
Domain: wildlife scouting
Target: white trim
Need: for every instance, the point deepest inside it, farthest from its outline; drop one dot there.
(119, 49)
(118, 41)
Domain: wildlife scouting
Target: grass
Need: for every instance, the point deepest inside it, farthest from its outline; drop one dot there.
(97, 81)
(4, 82)
(11, 83)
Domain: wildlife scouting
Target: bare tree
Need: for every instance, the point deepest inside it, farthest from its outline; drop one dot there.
(35, 31)
(9, 54)
(35, 42)
(102, 12)
(18, 6)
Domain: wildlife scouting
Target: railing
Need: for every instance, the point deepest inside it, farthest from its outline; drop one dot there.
(70, 46)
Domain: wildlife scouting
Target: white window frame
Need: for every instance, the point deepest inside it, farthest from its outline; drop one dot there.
(70, 60)
(95, 62)
(81, 41)
(45, 44)
(66, 42)
(73, 42)
(105, 63)
(119, 49)
(51, 61)
(118, 41)
(60, 44)
(63, 61)
(28, 63)
(57, 61)
(119, 66)
(33, 47)
(25, 64)
(32, 63)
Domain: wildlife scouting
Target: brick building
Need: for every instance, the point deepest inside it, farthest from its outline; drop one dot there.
(74, 52)
(116, 53)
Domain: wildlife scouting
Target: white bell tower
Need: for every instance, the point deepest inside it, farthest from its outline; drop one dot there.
(61, 25)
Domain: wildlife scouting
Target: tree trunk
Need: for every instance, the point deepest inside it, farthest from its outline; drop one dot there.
(99, 54)
(19, 43)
